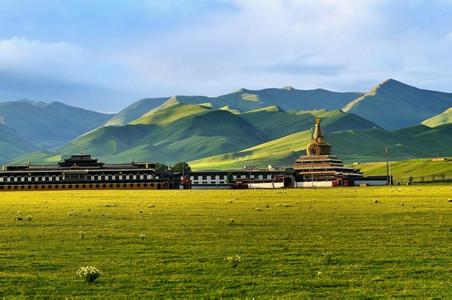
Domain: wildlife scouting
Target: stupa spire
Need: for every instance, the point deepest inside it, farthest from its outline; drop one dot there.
(318, 145)
(317, 131)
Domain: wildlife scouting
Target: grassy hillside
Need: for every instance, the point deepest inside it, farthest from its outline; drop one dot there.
(12, 145)
(395, 105)
(169, 112)
(329, 243)
(48, 124)
(38, 157)
(441, 119)
(135, 110)
(418, 168)
(175, 132)
(350, 145)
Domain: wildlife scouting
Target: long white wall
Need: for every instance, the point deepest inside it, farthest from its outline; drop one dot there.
(310, 184)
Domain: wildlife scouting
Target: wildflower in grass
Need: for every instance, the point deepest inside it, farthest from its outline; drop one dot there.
(89, 273)
(234, 261)
(142, 236)
(319, 273)
(81, 233)
(19, 216)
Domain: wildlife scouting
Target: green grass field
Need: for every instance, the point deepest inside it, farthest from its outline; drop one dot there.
(344, 242)
(419, 169)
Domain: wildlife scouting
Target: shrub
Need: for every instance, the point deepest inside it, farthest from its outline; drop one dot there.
(234, 261)
(19, 216)
(89, 273)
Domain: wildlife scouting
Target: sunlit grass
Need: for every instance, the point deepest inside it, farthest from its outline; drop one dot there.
(326, 242)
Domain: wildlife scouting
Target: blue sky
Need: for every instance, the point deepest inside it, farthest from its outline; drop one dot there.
(106, 54)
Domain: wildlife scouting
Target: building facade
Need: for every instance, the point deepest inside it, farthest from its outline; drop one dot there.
(84, 172)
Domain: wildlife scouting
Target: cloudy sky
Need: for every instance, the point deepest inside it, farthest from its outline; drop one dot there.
(105, 54)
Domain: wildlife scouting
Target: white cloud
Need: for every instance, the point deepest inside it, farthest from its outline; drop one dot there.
(335, 44)
(33, 56)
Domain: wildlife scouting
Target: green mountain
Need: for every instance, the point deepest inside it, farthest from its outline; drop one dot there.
(395, 105)
(179, 131)
(351, 145)
(245, 100)
(12, 145)
(48, 125)
(441, 119)
(276, 122)
(169, 112)
(135, 110)
(287, 98)
(252, 127)
(175, 131)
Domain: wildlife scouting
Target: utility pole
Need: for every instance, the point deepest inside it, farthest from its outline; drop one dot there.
(388, 173)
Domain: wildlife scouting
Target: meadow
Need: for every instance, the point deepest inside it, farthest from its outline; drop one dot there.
(353, 242)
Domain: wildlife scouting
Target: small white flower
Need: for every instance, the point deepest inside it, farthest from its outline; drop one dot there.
(89, 273)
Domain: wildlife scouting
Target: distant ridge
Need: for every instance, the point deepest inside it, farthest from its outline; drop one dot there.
(47, 125)
(394, 105)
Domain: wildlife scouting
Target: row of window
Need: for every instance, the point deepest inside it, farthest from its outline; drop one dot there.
(82, 186)
(74, 177)
(225, 177)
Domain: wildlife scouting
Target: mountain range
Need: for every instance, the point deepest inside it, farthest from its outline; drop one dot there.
(246, 127)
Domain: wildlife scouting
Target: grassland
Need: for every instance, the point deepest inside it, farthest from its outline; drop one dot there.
(362, 242)
(419, 169)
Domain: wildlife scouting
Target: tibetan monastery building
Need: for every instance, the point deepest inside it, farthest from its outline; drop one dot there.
(84, 172)
(319, 168)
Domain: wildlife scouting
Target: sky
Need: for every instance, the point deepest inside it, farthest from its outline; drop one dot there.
(106, 54)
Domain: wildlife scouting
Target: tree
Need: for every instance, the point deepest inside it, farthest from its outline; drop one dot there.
(230, 178)
(181, 167)
(161, 168)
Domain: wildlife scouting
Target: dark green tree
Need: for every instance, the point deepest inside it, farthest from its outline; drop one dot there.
(230, 179)
(181, 167)
(161, 168)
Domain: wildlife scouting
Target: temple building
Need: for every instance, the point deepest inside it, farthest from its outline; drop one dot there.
(84, 172)
(319, 168)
